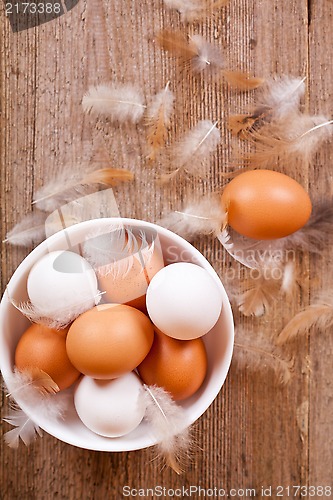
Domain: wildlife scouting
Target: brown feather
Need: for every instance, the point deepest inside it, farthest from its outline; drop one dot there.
(296, 137)
(207, 8)
(156, 136)
(70, 184)
(158, 120)
(318, 315)
(108, 176)
(36, 378)
(242, 81)
(257, 295)
(198, 55)
(241, 125)
(253, 351)
(177, 44)
(277, 98)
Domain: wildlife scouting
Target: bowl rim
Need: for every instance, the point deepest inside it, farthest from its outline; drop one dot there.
(41, 250)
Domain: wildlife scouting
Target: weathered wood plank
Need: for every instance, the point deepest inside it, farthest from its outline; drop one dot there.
(321, 345)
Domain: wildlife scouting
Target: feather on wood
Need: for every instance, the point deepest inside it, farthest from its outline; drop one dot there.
(167, 421)
(69, 185)
(198, 217)
(253, 351)
(192, 10)
(121, 103)
(277, 98)
(158, 116)
(191, 154)
(318, 315)
(294, 139)
(29, 231)
(199, 56)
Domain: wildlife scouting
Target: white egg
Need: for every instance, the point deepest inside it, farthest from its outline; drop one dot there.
(184, 301)
(62, 281)
(111, 408)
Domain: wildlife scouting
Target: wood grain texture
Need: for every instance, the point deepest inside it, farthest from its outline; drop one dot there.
(256, 433)
(320, 384)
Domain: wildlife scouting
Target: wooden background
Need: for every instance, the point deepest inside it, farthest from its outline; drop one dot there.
(256, 433)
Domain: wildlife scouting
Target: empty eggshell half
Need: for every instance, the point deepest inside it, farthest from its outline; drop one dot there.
(130, 287)
(125, 262)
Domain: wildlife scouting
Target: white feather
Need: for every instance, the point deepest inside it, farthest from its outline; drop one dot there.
(281, 95)
(167, 421)
(59, 319)
(186, 8)
(30, 231)
(113, 250)
(39, 392)
(202, 217)
(296, 137)
(158, 116)
(209, 57)
(239, 248)
(36, 393)
(192, 153)
(163, 100)
(25, 428)
(30, 384)
(306, 133)
(289, 281)
(67, 186)
(197, 146)
(120, 103)
(52, 407)
(190, 10)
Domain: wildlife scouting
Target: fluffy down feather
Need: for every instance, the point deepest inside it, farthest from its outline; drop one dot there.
(294, 139)
(318, 316)
(167, 421)
(191, 10)
(253, 351)
(71, 184)
(277, 98)
(37, 390)
(202, 217)
(121, 103)
(60, 319)
(158, 116)
(191, 154)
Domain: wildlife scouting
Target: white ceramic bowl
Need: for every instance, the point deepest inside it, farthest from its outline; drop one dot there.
(218, 342)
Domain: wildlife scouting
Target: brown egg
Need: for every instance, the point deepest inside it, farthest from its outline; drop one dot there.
(44, 348)
(264, 204)
(109, 340)
(179, 366)
(130, 287)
